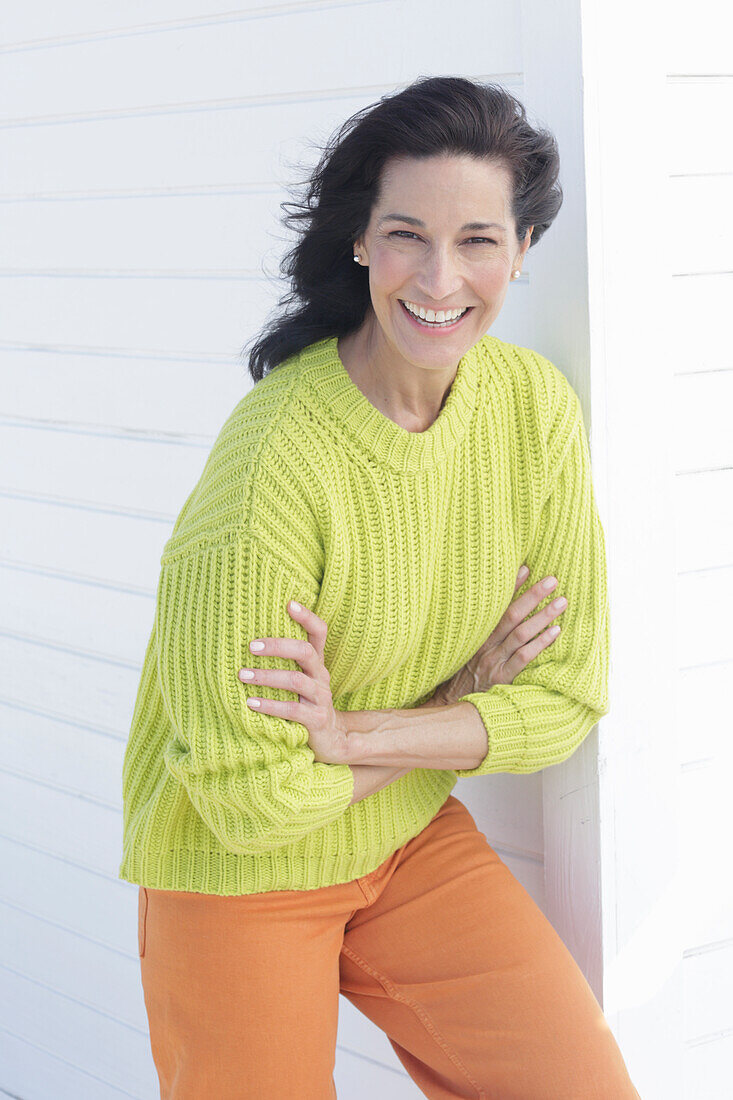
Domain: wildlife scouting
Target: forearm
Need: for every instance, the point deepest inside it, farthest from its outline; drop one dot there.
(444, 737)
(368, 780)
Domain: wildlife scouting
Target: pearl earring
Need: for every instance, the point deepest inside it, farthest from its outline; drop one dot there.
(517, 274)
(357, 258)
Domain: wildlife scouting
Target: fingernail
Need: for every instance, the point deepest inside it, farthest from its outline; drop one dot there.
(257, 646)
(245, 674)
(549, 582)
(523, 571)
(295, 606)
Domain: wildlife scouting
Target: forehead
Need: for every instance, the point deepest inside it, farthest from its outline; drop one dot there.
(418, 187)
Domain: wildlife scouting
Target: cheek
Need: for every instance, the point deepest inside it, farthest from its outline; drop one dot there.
(389, 272)
(491, 284)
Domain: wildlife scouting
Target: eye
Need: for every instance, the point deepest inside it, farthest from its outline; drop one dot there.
(406, 233)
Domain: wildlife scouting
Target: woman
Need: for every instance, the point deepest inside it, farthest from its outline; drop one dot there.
(287, 806)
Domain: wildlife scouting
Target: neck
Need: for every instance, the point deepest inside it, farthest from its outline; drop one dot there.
(410, 395)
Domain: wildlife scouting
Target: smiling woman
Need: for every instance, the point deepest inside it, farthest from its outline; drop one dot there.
(420, 205)
(292, 828)
(406, 349)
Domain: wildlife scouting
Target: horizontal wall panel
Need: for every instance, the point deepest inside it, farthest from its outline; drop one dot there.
(126, 389)
(30, 1071)
(157, 314)
(124, 479)
(696, 40)
(703, 524)
(256, 58)
(36, 22)
(77, 1034)
(93, 983)
(92, 904)
(708, 1066)
(708, 981)
(700, 306)
(88, 621)
(700, 437)
(206, 233)
(81, 832)
(703, 239)
(699, 112)
(702, 710)
(703, 602)
(164, 152)
(68, 755)
(89, 691)
(706, 826)
(241, 60)
(83, 547)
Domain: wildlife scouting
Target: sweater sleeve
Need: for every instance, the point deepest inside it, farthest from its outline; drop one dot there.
(251, 777)
(551, 705)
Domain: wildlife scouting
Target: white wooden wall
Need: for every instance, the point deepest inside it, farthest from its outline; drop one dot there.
(699, 64)
(657, 104)
(145, 148)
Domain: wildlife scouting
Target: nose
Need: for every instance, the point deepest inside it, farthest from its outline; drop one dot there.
(438, 277)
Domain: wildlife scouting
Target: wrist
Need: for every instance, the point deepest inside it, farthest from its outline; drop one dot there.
(443, 696)
(363, 740)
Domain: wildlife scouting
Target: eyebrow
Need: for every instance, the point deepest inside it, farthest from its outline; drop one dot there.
(416, 221)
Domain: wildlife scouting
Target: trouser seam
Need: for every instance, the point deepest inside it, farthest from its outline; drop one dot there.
(392, 991)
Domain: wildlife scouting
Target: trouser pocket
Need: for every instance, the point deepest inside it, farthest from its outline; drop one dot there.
(142, 916)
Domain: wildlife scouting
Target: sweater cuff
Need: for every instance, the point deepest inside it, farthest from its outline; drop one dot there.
(506, 730)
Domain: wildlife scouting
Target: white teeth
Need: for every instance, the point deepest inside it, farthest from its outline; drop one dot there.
(438, 317)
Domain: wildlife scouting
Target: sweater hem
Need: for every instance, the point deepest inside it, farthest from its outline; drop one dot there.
(231, 874)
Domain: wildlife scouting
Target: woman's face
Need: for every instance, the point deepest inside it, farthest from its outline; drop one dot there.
(422, 247)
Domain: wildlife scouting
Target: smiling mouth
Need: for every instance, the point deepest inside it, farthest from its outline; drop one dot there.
(436, 326)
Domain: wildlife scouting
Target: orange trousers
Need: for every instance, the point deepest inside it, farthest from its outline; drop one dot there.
(440, 946)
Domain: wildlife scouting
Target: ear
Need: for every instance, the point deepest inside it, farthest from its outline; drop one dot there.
(527, 241)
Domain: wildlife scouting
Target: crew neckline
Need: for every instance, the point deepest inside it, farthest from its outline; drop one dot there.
(331, 388)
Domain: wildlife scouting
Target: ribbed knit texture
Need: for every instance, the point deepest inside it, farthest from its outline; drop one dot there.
(408, 546)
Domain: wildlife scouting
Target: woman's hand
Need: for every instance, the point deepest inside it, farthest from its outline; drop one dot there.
(509, 648)
(314, 708)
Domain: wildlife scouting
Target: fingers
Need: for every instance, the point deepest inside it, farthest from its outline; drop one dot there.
(526, 653)
(521, 577)
(518, 610)
(295, 649)
(528, 628)
(308, 654)
(531, 635)
(289, 680)
(315, 627)
(311, 681)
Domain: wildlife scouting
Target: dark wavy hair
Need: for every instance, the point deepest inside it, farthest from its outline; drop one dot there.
(432, 116)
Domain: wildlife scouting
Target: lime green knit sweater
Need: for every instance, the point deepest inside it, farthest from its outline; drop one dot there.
(408, 545)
